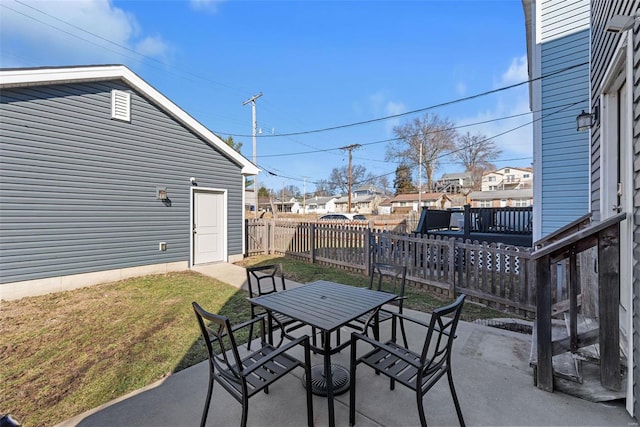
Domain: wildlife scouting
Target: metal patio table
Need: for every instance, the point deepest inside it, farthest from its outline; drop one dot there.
(327, 306)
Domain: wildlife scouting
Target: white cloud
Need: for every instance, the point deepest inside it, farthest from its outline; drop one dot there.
(516, 73)
(58, 32)
(381, 106)
(206, 5)
(514, 136)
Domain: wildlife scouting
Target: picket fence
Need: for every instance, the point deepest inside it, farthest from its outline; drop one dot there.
(497, 275)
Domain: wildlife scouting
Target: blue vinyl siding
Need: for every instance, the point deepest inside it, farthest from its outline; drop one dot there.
(565, 152)
(78, 188)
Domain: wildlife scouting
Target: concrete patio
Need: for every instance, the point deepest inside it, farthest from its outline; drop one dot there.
(490, 369)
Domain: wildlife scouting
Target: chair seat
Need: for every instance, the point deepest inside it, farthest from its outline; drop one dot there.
(390, 364)
(382, 316)
(264, 375)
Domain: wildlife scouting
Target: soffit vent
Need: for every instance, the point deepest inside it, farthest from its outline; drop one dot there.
(120, 105)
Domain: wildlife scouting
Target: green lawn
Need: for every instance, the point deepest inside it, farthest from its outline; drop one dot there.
(68, 352)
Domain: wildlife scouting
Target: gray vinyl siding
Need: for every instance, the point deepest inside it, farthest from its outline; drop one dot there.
(603, 50)
(78, 189)
(565, 152)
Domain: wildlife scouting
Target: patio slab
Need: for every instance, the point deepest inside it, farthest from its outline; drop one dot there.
(490, 368)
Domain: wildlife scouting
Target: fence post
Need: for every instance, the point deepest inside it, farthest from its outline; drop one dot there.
(312, 242)
(452, 267)
(265, 237)
(467, 223)
(368, 250)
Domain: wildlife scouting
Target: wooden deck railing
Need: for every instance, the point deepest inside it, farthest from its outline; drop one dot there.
(494, 274)
(605, 236)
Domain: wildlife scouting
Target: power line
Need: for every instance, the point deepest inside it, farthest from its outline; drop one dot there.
(432, 107)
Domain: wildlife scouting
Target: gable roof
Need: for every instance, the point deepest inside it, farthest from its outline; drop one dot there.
(19, 77)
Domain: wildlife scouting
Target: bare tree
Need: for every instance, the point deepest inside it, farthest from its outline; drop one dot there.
(435, 135)
(476, 153)
(323, 188)
(339, 178)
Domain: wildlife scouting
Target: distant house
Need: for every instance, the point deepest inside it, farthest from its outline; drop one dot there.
(507, 179)
(405, 203)
(102, 178)
(321, 205)
(558, 46)
(501, 198)
(385, 207)
(454, 183)
(364, 199)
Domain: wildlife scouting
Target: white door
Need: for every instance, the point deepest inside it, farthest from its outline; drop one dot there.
(617, 192)
(209, 237)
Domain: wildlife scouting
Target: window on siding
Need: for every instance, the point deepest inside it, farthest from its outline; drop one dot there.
(522, 202)
(492, 179)
(121, 105)
(484, 203)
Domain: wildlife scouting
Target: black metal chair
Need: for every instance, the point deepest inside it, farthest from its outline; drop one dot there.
(262, 281)
(385, 278)
(419, 371)
(244, 377)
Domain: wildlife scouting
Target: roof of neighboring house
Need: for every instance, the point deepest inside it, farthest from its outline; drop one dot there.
(385, 202)
(501, 170)
(320, 200)
(410, 197)
(16, 77)
(368, 187)
(501, 194)
(457, 175)
(356, 199)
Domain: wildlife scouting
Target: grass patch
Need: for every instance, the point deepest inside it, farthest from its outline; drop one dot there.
(68, 352)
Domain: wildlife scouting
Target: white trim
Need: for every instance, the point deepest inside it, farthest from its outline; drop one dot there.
(29, 288)
(536, 100)
(225, 222)
(619, 70)
(42, 76)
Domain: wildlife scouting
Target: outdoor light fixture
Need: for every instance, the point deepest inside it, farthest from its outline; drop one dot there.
(586, 121)
(161, 193)
(622, 23)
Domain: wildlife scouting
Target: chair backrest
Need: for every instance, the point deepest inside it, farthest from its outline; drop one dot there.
(439, 341)
(219, 339)
(262, 280)
(389, 278)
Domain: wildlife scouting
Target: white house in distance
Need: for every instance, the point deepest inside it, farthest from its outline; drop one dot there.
(405, 203)
(321, 204)
(365, 199)
(518, 198)
(507, 178)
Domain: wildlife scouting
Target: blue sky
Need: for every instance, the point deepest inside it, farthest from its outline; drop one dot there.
(319, 64)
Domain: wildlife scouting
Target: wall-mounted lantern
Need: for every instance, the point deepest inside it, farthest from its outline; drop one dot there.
(587, 120)
(161, 193)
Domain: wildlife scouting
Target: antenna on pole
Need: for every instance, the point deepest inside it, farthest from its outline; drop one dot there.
(254, 124)
(350, 148)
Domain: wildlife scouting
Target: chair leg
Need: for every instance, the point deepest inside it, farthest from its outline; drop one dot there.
(423, 419)
(352, 388)
(207, 402)
(455, 398)
(307, 369)
(245, 410)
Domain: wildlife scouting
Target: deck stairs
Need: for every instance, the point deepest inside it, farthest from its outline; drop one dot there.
(578, 373)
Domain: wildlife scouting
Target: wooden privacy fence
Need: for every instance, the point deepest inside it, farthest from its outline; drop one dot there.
(495, 274)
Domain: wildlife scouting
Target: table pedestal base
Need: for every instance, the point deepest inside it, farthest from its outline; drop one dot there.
(339, 375)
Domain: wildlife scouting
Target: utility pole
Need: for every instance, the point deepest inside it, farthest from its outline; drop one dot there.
(254, 124)
(350, 148)
(304, 195)
(420, 181)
